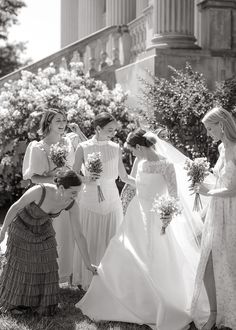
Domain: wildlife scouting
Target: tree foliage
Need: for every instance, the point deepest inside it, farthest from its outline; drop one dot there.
(9, 53)
(180, 103)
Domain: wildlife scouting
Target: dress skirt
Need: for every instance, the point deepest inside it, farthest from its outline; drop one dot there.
(30, 274)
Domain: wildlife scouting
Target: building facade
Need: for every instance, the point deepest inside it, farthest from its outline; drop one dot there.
(120, 40)
(156, 33)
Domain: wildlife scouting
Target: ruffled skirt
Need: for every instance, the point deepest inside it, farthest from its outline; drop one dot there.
(30, 273)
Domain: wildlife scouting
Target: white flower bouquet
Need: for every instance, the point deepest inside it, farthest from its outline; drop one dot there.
(58, 154)
(167, 207)
(94, 166)
(197, 170)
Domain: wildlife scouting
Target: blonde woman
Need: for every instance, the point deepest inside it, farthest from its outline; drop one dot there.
(217, 267)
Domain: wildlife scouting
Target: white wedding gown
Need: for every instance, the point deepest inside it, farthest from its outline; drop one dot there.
(145, 277)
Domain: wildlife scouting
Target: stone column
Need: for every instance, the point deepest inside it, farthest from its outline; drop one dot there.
(173, 23)
(120, 12)
(218, 25)
(69, 22)
(90, 16)
(197, 22)
(140, 6)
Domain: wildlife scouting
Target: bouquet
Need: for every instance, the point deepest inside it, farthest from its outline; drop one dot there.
(197, 170)
(167, 207)
(94, 166)
(58, 154)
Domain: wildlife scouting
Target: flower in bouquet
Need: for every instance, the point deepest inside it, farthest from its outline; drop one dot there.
(58, 154)
(94, 166)
(167, 207)
(197, 170)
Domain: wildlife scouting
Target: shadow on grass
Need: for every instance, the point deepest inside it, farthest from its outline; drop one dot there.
(66, 318)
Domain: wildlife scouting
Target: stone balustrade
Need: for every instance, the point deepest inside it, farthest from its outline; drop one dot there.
(137, 29)
(100, 55)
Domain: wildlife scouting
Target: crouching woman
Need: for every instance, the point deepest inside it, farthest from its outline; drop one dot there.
(29, 280)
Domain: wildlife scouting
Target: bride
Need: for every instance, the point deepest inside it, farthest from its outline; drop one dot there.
(145, 277)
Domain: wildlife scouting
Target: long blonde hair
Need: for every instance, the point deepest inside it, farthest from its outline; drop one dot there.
(220, 115)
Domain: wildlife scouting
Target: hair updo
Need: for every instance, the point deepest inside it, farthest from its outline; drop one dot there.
(142, 138)
(67, 179)
(103, 119)
(47, 118)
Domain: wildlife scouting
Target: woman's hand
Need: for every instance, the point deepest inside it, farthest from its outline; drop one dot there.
(74, 127)
(92, 177)
(200, 189)
(94, 269)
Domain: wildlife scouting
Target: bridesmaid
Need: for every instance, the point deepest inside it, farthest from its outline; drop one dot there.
(99, 220)
(217, 267)
(39, 168)
(29, 280)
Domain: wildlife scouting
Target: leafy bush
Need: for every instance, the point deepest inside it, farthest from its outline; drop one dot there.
(179, 104)
(22, 103)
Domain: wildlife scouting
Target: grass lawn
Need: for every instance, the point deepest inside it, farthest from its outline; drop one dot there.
(67, 318)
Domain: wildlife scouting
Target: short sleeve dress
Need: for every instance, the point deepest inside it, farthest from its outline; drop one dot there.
(37, 161)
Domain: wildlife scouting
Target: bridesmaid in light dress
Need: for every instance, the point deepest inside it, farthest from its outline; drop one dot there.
(39, 168)
(99, 220)
(217, 266)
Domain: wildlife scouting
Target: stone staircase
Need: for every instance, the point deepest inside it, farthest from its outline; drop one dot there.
(98, 55)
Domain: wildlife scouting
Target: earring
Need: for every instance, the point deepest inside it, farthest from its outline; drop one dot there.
(222, 133)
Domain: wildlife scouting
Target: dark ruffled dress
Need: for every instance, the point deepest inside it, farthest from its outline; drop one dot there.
(30, 274)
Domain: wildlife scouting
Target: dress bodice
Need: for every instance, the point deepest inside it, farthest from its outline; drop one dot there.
(109, 156)
(225, 171)
(37, 158)
(155, 178)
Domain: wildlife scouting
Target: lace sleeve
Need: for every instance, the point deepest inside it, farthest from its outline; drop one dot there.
(170, 177)
(127, 194)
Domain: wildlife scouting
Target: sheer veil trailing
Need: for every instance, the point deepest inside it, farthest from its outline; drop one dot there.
(191, 221)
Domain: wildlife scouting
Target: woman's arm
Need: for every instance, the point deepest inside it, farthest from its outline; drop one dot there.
(80, 239)
(122, 172)
(170, 178)
(31, 195)
(79, 159)
(49, 178)
(222, 192)
(76, 136)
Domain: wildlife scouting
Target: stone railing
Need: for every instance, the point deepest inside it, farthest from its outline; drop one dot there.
(140, 31)
(100, 55)
(137, 30)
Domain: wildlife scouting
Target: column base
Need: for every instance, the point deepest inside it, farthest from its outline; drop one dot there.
(176, 41)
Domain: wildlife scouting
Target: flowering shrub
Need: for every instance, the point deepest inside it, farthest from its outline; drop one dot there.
(179, 104)
(22, 103)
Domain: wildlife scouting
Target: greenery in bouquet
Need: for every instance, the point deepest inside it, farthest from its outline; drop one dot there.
(197, 171)
(167, 207)
(94, 166)
(58, 154)
(23, 101)
(94, 163)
